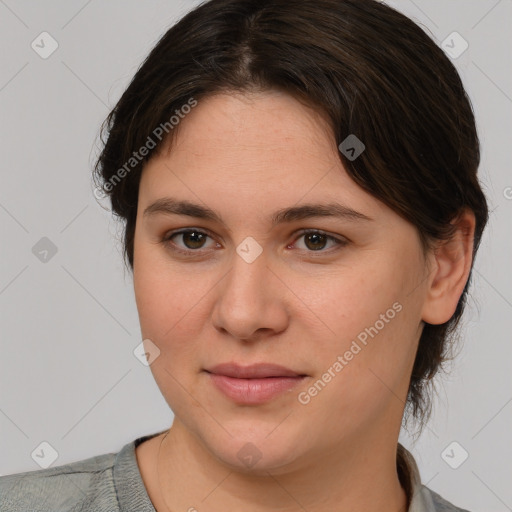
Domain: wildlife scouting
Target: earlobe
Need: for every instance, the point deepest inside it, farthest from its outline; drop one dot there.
(451, 264)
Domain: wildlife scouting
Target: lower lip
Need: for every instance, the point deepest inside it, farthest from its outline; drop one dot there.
(253, 391)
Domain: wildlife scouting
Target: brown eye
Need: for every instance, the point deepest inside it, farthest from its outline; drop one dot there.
(194, 239)
(191, 240)
(315, 241)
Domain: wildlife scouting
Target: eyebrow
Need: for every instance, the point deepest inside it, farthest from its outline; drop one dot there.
(171, 206)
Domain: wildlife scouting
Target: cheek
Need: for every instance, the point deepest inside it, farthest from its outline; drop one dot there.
(168, 313)
(169, 316)
(163, 293)
(373, 321)
(352, 301)
(174, 306)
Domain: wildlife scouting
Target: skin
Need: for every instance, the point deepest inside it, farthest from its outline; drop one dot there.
(245, 157)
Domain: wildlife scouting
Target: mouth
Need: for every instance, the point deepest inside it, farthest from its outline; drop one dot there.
(254, 371)
(254, 384)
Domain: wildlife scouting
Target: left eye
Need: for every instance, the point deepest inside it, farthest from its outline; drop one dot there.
(194, 239)
(317, 240)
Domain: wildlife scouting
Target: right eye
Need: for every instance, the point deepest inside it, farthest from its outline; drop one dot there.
(192, 240)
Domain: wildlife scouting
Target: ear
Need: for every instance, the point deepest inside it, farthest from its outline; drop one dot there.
(450, 266)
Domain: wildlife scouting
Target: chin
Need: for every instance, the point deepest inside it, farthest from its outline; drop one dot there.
(258, 453)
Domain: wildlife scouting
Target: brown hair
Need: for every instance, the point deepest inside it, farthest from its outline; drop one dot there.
(369, 69)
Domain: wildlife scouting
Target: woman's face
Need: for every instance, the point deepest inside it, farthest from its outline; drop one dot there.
(342, 315)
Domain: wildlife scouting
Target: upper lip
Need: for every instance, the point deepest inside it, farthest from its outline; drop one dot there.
(254, 371)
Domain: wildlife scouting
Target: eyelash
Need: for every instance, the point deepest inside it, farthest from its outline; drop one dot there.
(172, 246)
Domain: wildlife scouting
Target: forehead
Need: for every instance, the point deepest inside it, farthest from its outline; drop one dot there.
(257, 125)
(250, 153)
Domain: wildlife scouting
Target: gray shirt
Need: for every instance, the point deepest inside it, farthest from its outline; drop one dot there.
(112, 483)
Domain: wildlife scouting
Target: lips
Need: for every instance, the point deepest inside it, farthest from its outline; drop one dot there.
(255, 371)
(255, 384)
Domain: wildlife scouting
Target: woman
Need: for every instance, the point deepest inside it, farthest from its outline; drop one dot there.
(298, 182)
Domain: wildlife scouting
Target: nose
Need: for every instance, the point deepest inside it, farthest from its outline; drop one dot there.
(251, 300)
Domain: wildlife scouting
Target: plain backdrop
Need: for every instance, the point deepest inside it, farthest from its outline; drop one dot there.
(69, 325)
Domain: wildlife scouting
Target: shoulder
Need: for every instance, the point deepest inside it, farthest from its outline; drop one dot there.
(85, 485)
(437, 503)
(423, 499)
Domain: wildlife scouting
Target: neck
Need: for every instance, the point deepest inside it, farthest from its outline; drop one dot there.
(358, 476)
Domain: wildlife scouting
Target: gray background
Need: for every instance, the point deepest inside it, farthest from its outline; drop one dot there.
(69, 324)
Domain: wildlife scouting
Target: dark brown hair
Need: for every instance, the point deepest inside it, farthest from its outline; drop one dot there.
(370, 70)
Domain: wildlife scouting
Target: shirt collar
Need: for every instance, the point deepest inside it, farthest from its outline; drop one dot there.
(420, 497)
(130, 489)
